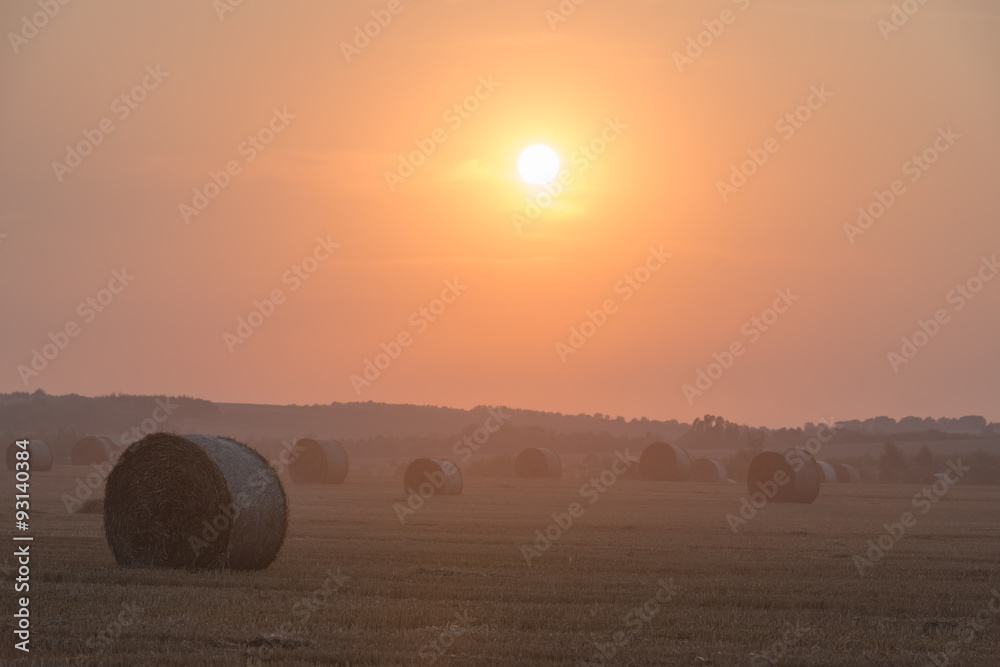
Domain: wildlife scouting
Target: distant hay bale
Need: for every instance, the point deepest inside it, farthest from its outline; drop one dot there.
(537, 462)
(195, 502)
(936, 477)
(318, 462)
(846, 474)
(93, 449)
(663, 462)
(428, 477)
(827, 473)
(708, 470)
(92, 506)
(793, 477)
(40, 455)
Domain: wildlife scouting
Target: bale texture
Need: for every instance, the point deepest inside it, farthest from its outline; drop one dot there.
(537, 462)
(318, 462)
(663, 462)
(826, 472)
(195, 502)
(708, 470)
(799, 484)
(92, 449)
(846, 474)
(429, 477)
(40, 455)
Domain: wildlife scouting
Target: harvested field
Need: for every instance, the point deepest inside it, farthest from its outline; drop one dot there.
(736, 594)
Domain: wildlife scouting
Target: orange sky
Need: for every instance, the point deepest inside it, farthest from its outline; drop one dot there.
(668, 131)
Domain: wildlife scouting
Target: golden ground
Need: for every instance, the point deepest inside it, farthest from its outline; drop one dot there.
(354, 586)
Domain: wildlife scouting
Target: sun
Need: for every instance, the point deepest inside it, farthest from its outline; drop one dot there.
(538, 164)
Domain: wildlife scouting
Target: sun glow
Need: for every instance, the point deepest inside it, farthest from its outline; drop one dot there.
(538, 164)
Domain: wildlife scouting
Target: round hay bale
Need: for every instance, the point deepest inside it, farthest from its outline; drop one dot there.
(826, 472)
(93, 449)
(792, 477)
(40, 455)
(318, 462)
(846, 474)
(708, 470)
(195, 502)
(537, 462)
(428, 477)
(663, 462)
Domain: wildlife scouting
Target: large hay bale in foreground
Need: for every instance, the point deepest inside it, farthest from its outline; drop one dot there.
(318, 462)
(708, 470)
(826, 472)
(794, 476)
(194, 501)
(846, 474)
(93, 449)
(40, 456)
(663, 462)
(537, 462)
(429, 477)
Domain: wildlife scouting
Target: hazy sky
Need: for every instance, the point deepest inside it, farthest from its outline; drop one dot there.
(309, 118)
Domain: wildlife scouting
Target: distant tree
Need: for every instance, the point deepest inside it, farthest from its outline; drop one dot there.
(924, 461)
(882, 424)
(972, 424)
(891, 464)
(913, 424)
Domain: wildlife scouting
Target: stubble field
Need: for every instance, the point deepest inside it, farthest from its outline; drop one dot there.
(648, 574)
